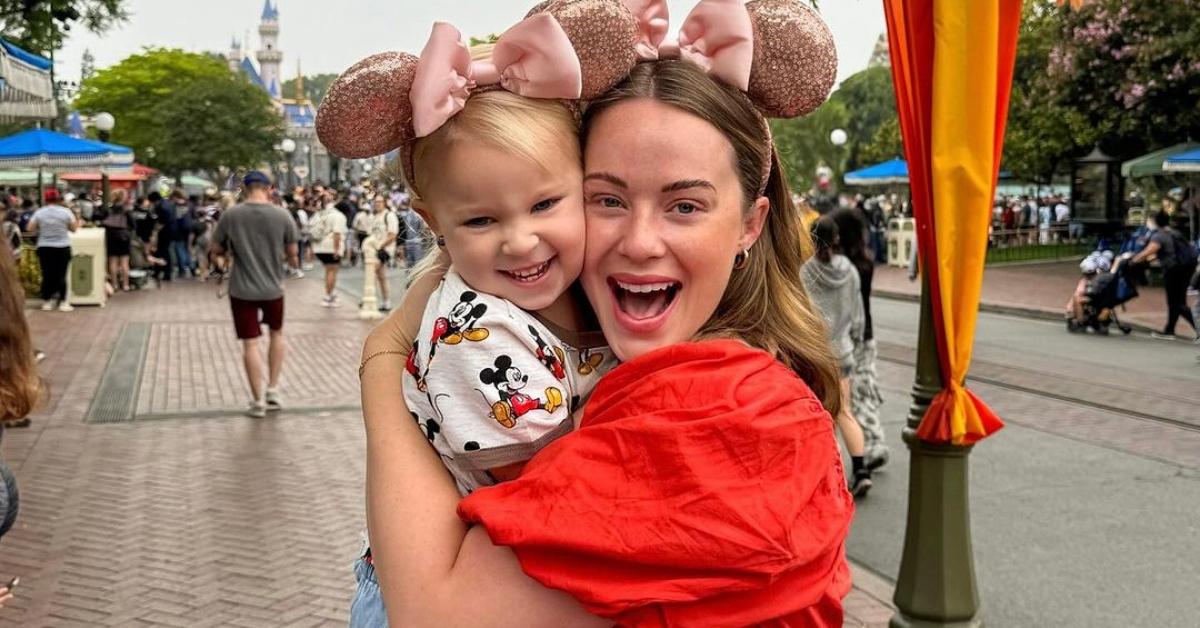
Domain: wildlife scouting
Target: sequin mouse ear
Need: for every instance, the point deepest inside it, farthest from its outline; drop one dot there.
(795, 61)
(604, 35)
(367, 111)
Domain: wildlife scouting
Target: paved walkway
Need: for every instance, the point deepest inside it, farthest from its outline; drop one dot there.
(1040, 290)
(187, 513)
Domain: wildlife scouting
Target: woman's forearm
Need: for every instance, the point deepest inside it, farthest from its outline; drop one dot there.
(433, 570)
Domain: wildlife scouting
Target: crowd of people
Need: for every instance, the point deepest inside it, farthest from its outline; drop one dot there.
(166, 237)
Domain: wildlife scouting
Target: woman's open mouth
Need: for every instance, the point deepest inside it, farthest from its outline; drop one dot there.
(642, 303)
(529, 274)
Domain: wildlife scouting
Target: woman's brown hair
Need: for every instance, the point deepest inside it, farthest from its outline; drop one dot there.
(764, 304)
(20, 385)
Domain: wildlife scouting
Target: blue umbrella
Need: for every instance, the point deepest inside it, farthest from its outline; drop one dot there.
(887, 173)
(40, 148)
(1183, 162)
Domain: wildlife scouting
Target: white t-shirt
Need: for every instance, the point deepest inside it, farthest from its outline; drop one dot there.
(491, 384)
(383, 224)
(323, 226)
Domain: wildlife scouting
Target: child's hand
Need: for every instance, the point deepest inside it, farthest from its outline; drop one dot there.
(5, 596)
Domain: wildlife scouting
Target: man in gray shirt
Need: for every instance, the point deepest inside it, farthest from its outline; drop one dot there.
(258, 235)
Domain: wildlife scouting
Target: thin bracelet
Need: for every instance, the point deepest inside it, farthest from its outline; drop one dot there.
(363, 366)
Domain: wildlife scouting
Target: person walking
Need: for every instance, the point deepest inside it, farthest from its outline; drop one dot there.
(866, 400)
(413, 231)
(258, 235)
(1177, 259)
(384, 227)
(328, 232)
(833, 285)
(53, 225)
(118, 237)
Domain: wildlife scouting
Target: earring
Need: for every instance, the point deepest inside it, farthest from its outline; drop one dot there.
(441, 242)
(739, 260)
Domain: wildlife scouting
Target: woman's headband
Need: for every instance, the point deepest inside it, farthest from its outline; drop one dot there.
(778, 52)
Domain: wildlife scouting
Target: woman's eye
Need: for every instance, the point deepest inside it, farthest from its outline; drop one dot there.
(546, 204)
(685, 208)
(609, 201)
(482, 221)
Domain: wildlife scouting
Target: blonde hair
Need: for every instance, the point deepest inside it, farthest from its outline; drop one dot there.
(765, 304)
(529, 128)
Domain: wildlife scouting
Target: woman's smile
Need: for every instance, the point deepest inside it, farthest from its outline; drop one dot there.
(643, 303)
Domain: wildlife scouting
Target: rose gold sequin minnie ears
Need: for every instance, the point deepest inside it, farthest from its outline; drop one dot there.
(779, 52)
(565, 49)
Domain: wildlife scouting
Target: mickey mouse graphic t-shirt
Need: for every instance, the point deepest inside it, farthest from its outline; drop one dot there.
(490, 384)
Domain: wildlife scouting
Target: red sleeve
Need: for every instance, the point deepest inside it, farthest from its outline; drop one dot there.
(703, 488)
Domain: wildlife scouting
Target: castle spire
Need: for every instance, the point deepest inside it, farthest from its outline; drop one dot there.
(299, 83)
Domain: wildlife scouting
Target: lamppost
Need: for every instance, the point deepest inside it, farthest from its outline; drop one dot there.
(838, 138)
(104, 123)
(288, 145)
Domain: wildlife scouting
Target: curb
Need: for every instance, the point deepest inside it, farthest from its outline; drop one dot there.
(874, 585)
(1011, 310)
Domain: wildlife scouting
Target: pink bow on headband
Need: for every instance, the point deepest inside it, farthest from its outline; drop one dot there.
(534, 58)
(717, 35)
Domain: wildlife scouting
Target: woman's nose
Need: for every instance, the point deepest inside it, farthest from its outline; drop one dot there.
(642, 238)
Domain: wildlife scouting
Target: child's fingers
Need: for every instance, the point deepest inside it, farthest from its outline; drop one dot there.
(5, 598)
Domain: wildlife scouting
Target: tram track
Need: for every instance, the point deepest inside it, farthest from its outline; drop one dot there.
(1003, 384)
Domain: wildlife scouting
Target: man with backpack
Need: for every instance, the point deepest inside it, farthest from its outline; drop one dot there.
(1177, 257)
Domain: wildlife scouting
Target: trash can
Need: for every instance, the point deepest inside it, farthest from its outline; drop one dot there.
(86, 275)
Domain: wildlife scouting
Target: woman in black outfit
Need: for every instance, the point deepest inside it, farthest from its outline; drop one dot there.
(118, 235)
(865, 398)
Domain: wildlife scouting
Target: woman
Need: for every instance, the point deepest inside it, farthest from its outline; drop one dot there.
(865, 397)
(680, 205)
(53, 225)
(833, 283)
(118, 238)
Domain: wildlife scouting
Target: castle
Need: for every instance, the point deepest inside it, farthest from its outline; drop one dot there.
(310, 161)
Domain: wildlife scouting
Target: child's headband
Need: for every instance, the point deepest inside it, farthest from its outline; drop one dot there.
(779, 52)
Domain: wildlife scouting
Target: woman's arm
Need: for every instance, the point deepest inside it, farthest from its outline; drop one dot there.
(432, 569)
(1147, 253)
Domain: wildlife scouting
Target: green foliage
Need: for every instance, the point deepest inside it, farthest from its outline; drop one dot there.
(869, 97)
(1122, 75)
(885, 143)
(188, 107)
(315, 87)
(803, 144)
(486, 39)
(40, 26)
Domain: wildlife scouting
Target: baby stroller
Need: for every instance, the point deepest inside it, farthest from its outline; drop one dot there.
(1106, 290)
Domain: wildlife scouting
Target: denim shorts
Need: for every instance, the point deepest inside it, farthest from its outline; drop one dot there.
(366, 609)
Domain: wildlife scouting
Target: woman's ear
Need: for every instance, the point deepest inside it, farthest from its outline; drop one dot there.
(754, 222)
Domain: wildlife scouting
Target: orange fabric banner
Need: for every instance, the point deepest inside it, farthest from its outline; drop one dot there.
(952, 69)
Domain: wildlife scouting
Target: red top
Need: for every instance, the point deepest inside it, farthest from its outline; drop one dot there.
(703, 488)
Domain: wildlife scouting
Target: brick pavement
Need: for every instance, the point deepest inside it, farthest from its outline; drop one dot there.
(192, 515)
(1041, 289)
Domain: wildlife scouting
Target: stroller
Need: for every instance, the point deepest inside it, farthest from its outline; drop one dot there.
(1106, 290)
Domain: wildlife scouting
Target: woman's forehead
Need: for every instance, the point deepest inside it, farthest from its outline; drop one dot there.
(654, 138)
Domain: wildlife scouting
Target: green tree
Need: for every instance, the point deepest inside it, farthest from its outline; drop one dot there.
(803, 144)
(1122, 75)
(159, 99)
(869, 98)
(885, 144)
(210, 124)
(315, 87)
(40, 26)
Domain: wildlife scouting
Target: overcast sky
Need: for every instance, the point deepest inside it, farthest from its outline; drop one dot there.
(330, 35)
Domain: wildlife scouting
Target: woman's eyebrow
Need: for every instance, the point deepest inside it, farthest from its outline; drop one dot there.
(688, 183)
(611, 178)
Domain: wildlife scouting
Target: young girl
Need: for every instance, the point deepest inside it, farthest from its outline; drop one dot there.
(833, 284)
(504, 355)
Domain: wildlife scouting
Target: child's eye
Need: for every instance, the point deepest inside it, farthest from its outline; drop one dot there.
(685, 208)
(482, 221)
(546, 204)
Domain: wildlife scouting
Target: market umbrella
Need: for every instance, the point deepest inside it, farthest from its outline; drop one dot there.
(43, 149)
(890, 172)
(1154, 164)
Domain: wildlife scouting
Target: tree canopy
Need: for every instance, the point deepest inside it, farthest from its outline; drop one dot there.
(189, 108)
(40, 26)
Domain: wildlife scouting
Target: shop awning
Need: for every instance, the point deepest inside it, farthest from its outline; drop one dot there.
(1183, 162)
(26, 92)
(891, 172)
(40, 148)
(1151, 164)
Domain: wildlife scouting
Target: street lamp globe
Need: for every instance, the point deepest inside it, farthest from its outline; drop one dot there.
(288, 145)
(104, 121)
(837, 137)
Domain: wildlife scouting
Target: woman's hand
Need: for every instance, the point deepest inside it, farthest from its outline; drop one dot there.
(5, 596)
